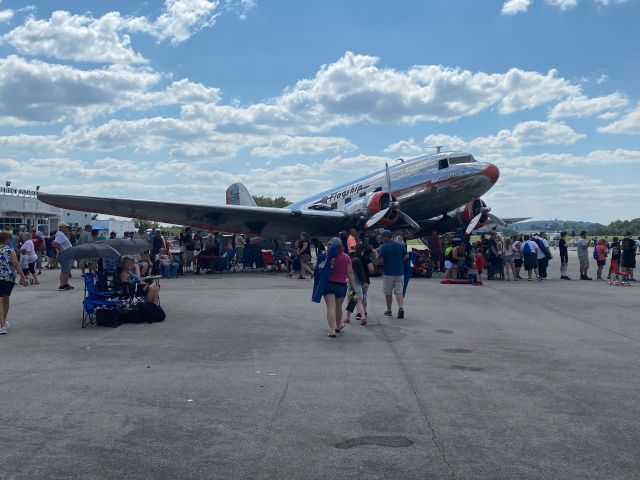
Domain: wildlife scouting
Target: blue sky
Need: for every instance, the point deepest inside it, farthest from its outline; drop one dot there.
(177, 99)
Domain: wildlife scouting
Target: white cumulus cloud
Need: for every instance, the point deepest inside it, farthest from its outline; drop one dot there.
(511, 7)
(628, 124)
(582, 106)
(75, 37)
(355, 89)
(85, 38)
(404, 146)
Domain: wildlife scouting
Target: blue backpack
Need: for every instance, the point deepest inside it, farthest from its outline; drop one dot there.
(527, 248)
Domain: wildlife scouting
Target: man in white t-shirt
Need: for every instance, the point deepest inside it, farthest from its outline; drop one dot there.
(61, 243)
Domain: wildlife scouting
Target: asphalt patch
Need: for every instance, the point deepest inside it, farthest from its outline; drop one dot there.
(465, 368)
(443, 330)
(457, 350)
(381, 441)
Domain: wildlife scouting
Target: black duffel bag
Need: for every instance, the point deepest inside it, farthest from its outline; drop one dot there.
(130, 315)
(107, 317)
(151, 313)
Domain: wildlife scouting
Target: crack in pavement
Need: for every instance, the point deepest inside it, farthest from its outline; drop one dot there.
(421, 406)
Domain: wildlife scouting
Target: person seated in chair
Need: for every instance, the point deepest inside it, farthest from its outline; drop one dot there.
(168, 264)
(127, 276)
(228, 255)
(209, 259)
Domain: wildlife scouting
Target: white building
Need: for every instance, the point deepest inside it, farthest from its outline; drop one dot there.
(116, 225)
(21, 207)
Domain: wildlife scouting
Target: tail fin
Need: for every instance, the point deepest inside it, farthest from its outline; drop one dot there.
(237, 194)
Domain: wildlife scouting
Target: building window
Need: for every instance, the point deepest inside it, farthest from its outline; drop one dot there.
(9, 223)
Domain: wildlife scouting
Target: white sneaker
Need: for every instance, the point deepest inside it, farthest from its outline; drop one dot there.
(3, 330)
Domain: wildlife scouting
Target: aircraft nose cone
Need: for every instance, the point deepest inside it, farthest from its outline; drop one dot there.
(492, 173)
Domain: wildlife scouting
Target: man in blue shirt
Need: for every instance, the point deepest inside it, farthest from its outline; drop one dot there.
(392, 257)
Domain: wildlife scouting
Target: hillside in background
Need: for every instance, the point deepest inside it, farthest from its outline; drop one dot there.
(617, 227)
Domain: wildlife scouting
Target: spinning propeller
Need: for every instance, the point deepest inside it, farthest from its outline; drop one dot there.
(484, 215)
(392, 208)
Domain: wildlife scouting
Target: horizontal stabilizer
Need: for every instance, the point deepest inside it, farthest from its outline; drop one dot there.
(237, 194)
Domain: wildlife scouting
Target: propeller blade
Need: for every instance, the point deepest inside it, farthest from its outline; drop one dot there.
(376, 218)
(473, 223)
(409, 220)
(497, 220)
(388, 175)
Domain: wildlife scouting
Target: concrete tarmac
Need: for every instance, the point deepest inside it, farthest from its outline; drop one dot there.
(510, 380)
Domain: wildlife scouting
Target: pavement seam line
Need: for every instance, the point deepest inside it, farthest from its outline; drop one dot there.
(421, 406)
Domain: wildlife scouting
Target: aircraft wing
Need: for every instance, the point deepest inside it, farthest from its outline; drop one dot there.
(262, 221)
(511, 220)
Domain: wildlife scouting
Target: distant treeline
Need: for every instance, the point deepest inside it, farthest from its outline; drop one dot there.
(618, 227)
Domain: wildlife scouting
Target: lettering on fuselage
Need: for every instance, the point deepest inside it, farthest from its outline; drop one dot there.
(335, 196)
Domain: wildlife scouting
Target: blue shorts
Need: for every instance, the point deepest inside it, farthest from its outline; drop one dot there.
(337, 289)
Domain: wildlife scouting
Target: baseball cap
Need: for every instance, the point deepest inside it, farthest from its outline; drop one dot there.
(335, 241)
(63, 224)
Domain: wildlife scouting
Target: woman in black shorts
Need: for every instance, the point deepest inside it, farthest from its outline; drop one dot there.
(9, 266)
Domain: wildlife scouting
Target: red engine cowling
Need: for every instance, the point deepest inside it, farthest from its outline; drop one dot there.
(380, 201)
(472, 209)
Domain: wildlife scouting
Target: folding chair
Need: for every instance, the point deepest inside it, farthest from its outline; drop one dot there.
(94, 300)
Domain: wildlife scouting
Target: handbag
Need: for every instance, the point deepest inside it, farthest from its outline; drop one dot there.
(353, 301)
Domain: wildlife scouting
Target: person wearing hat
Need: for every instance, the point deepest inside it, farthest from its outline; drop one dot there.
(583, 255)
(61, 243)
(629, 255)
(392, 257)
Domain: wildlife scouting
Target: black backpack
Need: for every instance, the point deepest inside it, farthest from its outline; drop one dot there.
(151, 313)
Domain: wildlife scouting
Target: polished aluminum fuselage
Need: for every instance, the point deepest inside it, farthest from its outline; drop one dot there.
(424, 189)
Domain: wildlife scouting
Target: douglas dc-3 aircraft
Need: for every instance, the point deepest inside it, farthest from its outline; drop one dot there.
(439, 191)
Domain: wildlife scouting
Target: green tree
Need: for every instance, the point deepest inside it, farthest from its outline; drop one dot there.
(277, 202)
(145, 224)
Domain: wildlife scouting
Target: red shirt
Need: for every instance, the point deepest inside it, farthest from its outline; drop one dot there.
(37, 243)
(339, 271)
(479, 261)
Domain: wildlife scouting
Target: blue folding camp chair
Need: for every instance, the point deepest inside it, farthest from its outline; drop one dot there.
(94, 300)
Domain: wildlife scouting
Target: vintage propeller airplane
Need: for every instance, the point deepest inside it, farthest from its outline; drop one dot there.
(431, 192)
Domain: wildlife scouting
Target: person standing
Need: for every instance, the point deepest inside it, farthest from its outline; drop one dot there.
(516, 246)
(304, 253)
(28, 251)
(435, 249)
(84, 237)
(628, 250)
(530, 254)
(9, 269)
(352, 241)
(601, 252)
(336, 289)
(564, 256)
(61, 243)
(543, 255)
(38, 244)
(392, 257)
(583, 256)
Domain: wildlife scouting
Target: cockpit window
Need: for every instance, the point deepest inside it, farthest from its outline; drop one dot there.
(443, 163)
(462, 159)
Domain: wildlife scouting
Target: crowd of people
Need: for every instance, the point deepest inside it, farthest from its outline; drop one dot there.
(507, 257)
(24, 253)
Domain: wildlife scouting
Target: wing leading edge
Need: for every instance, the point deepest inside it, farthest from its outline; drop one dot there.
(262, 221)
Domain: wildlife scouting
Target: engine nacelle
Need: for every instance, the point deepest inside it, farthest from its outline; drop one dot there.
(379, 201)
(472, 209)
